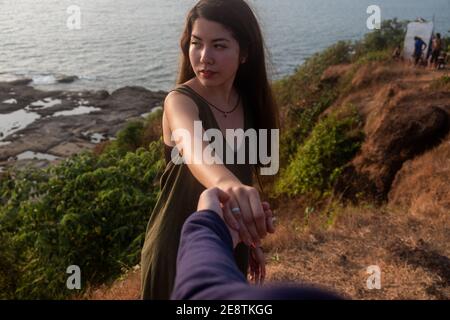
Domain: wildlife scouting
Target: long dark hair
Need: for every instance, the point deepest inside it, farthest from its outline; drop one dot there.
(251, 78)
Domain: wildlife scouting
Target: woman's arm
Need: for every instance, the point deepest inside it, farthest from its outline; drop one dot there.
(181, 112)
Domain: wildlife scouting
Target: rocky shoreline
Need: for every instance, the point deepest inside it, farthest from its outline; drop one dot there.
(40, 127)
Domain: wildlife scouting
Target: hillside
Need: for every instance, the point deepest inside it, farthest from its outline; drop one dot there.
(398, 192)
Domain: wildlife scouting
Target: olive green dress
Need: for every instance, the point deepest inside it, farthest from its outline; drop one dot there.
(178, 199)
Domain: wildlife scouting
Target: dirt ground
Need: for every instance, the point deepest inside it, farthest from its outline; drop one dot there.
(334, 252)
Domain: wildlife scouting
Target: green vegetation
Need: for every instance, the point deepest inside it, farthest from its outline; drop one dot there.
(391, 34)
(89, 211)
(318, 162)
(303, 97)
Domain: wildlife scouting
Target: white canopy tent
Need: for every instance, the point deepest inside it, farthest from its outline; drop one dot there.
(424, 30)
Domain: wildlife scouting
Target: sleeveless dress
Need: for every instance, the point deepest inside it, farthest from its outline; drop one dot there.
(180, 192)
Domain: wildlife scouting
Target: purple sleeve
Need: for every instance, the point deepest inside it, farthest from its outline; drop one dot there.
(206, 268)
(205, 259)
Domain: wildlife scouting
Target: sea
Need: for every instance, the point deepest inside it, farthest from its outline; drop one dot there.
(117, 43)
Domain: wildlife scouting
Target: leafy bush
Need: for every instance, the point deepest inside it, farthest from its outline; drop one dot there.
(153, 127)
(87, 211)
(306, 119)
(130, 137)
(319, 161)
(374, 56)
(391, 34)
(303, 97)
(136, 134)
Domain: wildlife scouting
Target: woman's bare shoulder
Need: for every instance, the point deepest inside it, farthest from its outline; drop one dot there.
(177, 103)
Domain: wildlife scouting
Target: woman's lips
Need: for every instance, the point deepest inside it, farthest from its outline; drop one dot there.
(207, 74)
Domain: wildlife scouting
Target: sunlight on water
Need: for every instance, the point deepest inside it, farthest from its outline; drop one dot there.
(76, 111)
(15, 121)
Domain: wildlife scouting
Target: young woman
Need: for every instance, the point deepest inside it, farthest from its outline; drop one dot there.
(223, 83)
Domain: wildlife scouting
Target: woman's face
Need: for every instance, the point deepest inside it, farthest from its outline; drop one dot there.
(213, 53)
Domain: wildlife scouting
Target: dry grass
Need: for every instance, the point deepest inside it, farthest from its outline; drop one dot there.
(126, 288)
(411, 250)
(422, 185)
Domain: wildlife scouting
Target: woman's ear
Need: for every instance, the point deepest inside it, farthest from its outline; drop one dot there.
(243, 56)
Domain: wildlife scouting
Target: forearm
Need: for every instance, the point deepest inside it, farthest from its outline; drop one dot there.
(207, 169)
(212, 175)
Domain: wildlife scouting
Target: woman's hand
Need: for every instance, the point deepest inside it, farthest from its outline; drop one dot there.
(217, 200)
(257, 266)
(245, 209)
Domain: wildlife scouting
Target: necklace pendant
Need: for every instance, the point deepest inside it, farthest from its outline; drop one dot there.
(224, 115)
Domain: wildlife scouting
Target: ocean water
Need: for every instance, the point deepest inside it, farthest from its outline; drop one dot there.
(136, 42)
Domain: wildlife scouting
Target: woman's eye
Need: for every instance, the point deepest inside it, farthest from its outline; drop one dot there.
(218, 46)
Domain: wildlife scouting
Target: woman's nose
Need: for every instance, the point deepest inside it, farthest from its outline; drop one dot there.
(206, 57)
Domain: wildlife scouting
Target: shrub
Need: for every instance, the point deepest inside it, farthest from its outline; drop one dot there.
(130, 137)
(374, 56)
(318, 162)
(303, 97)
(152, 128)
(87, 211)
(391, 34)
(136, 134)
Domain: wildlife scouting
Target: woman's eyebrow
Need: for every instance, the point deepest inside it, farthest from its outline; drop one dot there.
(214, 40)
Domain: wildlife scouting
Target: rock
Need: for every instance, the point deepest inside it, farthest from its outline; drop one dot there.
(21, 82)
(66, 79)
(101, 94)
(62, 135)
(67, 149)
(130, 98)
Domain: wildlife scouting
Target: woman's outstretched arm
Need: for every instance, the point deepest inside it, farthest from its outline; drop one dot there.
(181, 114)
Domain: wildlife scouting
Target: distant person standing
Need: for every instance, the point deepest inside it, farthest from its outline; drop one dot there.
(419, 46)
(436, 47)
